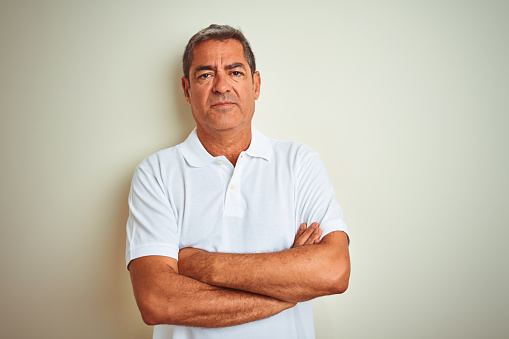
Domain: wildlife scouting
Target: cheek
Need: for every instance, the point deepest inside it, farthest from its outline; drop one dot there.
(198, 100)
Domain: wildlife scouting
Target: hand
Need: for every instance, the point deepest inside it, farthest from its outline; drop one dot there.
(185, 262)
(307, 235)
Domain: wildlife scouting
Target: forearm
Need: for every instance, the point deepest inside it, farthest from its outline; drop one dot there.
(296, 274)
(202, 305)
(280, 274)
(179, 300)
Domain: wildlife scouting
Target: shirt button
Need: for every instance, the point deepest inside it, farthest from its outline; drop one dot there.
(219, 162)
(232, 187)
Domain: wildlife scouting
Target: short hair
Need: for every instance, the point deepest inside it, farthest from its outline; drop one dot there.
(220, 33)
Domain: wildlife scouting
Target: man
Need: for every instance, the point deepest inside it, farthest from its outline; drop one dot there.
(223, 237)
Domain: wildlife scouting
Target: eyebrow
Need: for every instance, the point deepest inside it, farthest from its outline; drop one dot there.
(203, 68)
(236, 65)
(228, 67)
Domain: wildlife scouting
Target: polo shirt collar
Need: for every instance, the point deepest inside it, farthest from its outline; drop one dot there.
(193, 151)
(261, 146)
(197, 156)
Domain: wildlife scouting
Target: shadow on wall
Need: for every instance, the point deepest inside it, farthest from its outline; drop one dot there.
(181, 108)
(128, 320)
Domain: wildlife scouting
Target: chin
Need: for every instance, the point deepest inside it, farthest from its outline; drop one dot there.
(226, 124)
(224, 128)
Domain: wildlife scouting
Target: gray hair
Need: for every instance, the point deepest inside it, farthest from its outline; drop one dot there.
(220, 33)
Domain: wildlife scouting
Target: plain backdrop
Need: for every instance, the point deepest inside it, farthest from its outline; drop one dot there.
(407, 102)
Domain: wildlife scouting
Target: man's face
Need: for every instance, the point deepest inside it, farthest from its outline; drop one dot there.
(220, 88)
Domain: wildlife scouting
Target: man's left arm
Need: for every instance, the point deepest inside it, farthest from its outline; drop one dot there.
(295, 275)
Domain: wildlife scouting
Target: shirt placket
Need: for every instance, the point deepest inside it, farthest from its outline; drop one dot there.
(233, 206)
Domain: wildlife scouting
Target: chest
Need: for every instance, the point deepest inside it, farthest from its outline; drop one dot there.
(246, 209)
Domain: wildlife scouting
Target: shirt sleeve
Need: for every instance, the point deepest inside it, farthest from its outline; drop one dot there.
(151, 226)
(316, 201)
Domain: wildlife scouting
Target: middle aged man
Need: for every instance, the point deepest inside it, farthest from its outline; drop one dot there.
(218, 239)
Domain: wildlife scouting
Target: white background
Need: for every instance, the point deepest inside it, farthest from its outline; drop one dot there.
(406, 101)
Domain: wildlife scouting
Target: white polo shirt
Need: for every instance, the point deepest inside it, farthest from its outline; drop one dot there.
(184, 197)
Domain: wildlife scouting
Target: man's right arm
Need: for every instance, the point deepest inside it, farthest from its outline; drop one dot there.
(166, 297)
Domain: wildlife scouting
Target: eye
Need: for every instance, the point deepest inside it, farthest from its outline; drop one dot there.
(237, 73)
(204, 76)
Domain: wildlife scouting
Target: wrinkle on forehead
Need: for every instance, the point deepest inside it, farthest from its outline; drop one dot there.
(212, 54)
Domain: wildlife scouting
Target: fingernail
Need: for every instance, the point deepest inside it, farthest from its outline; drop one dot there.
(317, 230)
(302, 226)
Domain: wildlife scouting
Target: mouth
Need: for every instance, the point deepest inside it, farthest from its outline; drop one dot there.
(223, 104)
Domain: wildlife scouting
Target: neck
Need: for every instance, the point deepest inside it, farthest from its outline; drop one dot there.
(227, 143)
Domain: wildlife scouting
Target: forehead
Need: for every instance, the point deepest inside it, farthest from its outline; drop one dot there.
(215, 52)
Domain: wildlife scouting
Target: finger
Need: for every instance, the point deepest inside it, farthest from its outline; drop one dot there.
(301, 230)
(315, 236)
(317, 241)
(305, 235)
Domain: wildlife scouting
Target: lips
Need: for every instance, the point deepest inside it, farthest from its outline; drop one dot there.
(223, 103)
(223, 99)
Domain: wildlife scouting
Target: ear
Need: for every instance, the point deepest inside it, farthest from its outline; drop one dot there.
(185, 87)
(257, 81)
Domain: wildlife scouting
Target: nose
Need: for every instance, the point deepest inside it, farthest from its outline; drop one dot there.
(221, 83)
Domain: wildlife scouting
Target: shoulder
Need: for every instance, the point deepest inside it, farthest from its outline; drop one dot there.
(292, 151)
(160, 161)
(298, 158)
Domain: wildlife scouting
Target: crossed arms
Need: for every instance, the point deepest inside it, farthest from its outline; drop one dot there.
(223, 289)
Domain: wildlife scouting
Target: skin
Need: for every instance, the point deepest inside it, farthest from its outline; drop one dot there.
(298, 274)
(164, 296)
(222, 94)
(234, 288)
